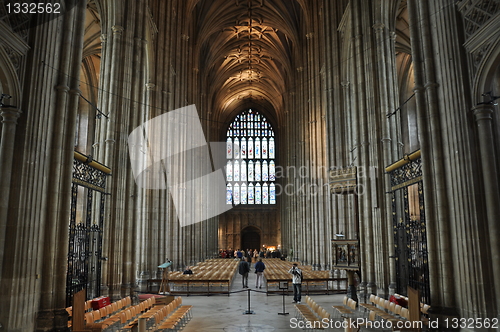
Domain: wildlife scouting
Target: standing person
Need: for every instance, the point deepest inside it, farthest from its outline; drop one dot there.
(297, 282)
(259, 269)
(255, 255)
(243, 269)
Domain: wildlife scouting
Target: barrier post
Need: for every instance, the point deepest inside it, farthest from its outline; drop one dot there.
(248, 312)
(283, 285)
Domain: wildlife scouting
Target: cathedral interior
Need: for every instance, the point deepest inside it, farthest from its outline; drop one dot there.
(368, 122)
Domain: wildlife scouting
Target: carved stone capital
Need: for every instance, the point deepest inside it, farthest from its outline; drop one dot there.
(62, 88)
(431, 85)
(9, 114)
(117, 29)
(75, 92)
(418, 88)
(483, 112)
(378, 27)
(393, 35)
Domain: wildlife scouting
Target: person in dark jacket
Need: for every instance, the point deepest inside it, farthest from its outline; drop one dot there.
(243, 269)
(259, 269)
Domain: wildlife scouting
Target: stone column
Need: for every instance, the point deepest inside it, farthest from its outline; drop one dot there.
(113, 76)
(361, 89)
(433, 168)
(386, 78)
(62, 124)
(9, 115)
(482, 114)
(137, 110)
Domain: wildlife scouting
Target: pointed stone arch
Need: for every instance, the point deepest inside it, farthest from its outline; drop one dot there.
(251, 237)
(9, 81)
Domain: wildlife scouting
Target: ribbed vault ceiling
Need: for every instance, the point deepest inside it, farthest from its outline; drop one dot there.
(246, 50)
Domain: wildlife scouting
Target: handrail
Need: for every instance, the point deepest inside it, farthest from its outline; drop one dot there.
(406, 159)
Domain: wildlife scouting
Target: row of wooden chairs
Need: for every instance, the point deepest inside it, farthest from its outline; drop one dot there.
(313, 313)
(386, 310)
(130, 317)
(276, 269)
(424, 308)
(378, 308)
(213, 270)
(111, 309)
(121, 318)
(92, 316)
(170, 317)
(88, 306)
(347, 309)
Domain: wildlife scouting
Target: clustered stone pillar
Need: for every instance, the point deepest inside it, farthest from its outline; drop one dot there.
(433, 169)
(385, 267)
(124, 72)
(9, 115)
(483, 116)
(62, 124)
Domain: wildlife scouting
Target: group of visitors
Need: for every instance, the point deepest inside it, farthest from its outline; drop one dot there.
(244, 269)
(253, 254)
(246, 257)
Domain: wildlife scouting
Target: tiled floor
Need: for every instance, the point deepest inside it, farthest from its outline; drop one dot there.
(228, 313)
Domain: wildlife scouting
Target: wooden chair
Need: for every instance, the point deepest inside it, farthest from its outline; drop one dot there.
(89, 317)
(405, 313)
(343, 310)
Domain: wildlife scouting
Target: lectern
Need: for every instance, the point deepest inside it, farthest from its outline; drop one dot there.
(346, 257)
(164, 286)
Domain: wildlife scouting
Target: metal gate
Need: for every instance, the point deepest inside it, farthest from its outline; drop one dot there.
(410, 237)
(86, 227)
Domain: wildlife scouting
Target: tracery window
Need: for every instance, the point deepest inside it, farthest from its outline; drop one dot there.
(250, 154)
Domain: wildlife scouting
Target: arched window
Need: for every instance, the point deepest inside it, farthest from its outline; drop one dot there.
(250, 154)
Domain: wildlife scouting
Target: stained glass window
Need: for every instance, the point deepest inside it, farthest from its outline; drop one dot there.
(250, 153)
(236, 171)
(250, 171)
(265, 171)
(229, 171)
(243, 193)
(251, 194)
(265, 194)
(229, 193)
(272, 194)
(229, 148)
(258, 194)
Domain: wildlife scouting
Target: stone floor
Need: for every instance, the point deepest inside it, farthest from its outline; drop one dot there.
(228, 313)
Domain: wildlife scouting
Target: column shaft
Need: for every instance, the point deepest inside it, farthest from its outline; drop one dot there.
(9, 122)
